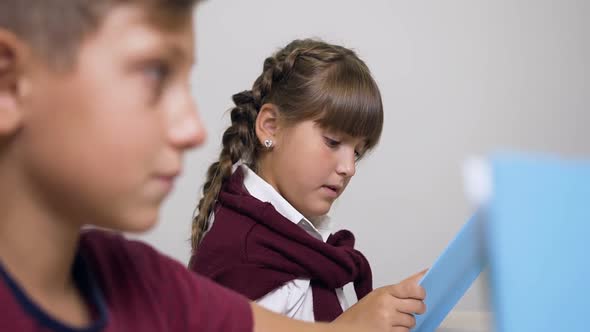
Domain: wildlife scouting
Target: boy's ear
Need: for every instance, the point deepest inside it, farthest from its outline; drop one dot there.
(12, 87)
(267, 123)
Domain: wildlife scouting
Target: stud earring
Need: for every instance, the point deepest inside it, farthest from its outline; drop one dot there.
(268, 143)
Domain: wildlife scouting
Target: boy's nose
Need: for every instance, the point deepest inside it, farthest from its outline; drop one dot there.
(187, 129)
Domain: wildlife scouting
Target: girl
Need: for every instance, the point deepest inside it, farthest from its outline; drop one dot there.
(289, 153)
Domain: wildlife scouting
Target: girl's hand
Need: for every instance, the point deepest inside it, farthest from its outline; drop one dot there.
(389, 308)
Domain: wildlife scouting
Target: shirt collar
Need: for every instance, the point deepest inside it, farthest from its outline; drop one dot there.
(320, 228)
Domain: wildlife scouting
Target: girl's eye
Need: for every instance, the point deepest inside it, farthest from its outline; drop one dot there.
(357, 155)
(331, 142)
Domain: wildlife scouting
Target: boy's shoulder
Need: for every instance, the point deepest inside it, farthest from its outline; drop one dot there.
(124, 280)
(132, 274)
(114, 258)
(109, 249)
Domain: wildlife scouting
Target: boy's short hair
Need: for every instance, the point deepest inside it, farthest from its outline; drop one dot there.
(55, 28)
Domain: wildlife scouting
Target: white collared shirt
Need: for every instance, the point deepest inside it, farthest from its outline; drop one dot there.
(294, 299)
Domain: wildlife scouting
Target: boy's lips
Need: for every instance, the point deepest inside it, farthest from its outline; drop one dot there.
(168, 178)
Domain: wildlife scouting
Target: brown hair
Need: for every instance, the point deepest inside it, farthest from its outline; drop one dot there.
(55, 28)
(306, 80)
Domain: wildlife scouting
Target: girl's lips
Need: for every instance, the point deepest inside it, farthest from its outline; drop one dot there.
(332, 191)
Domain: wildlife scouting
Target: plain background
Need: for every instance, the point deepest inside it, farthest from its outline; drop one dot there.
(459, 78)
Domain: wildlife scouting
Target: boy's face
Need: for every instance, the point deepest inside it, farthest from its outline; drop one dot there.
(103, 143)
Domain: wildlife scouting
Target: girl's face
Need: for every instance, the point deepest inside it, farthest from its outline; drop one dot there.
(310, 167)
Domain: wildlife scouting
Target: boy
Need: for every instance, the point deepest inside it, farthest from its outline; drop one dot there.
(95, 113)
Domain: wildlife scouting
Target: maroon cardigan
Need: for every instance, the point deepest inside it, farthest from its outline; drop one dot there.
(253, 249)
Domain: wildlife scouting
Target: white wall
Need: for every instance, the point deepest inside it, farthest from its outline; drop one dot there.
(458, 78)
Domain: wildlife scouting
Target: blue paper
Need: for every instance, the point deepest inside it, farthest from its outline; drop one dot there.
(539, 244)
(452, 274)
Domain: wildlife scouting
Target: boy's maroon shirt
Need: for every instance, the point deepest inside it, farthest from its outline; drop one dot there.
(131, 287)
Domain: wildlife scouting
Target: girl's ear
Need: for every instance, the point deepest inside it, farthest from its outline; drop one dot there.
(267, 124)
(12, 83)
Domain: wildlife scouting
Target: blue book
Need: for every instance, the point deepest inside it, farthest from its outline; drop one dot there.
(538, 235)
(452, 274)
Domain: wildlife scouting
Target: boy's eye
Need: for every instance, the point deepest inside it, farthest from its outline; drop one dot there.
(157, 72)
